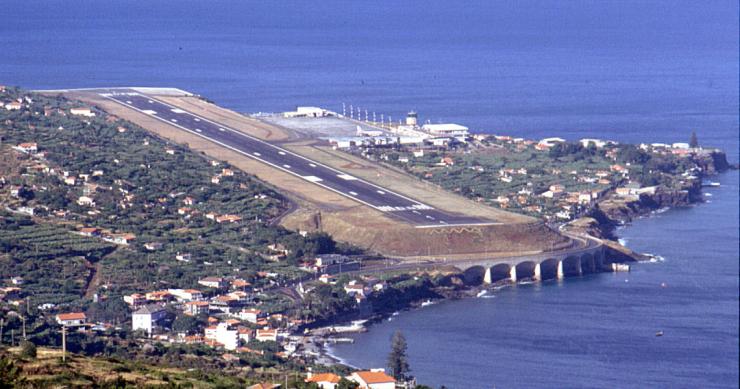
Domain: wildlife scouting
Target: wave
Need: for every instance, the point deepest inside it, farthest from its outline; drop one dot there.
(652, 258)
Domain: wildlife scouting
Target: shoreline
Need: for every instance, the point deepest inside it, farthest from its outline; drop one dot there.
(326, 352)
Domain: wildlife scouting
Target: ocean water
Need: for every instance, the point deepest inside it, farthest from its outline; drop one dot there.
(596, 331)
(630, 71)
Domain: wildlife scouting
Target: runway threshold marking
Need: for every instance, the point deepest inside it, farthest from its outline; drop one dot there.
(312, 178)
(346, 177)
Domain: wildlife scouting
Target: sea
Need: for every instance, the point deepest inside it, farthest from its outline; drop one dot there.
(625, 70)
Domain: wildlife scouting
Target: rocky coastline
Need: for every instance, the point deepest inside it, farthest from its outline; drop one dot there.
(600, 222)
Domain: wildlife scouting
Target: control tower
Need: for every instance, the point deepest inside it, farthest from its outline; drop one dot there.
(412, 118)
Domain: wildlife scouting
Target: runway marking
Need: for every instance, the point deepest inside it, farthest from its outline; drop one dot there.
(177, 110)
(197, 120)
(129, 101)
(173, 120)
(257, 154)
(429, 217)
(417, 205)
(416, 212)
(312, 178)
(380, 192)
(286, 166)
(312, 164)
(198, 129)
(221, 129)
(149, 111)
(353, 193)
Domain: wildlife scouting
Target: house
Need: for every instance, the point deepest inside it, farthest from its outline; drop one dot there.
(124, 239)
(71, 319)
(245, 334)
(147, 317)
(446, 161)
(225, 304)
(186, 294)
(16, 280)
(135, 299)
(160, 295)
(13, 106)
(89, 231)
(324, 380)
(82, 112)
(195, 308)
(228, 219)
(373, 379)
(86, 201)
(153, 246)
(27, 147)
(226, 336)
(213, 282)
(265, 335)
(183, 257)
(354, 289)
(251, 315)
(227, 172)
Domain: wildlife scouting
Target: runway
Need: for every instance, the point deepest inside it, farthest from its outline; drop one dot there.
(401, 207)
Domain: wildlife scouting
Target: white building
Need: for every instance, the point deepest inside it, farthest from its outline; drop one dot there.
(82, 112)
(311, 112)
(147, 317)
(227, 337)
(448, 129)
(71, 319)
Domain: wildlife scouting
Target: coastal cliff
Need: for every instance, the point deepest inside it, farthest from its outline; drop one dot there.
(601, 221)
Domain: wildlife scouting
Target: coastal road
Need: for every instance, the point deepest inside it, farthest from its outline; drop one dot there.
(401, 207)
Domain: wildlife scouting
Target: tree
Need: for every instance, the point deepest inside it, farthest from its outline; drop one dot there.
(397, 359)
(693, 141)
(28, 349)
(347, 384)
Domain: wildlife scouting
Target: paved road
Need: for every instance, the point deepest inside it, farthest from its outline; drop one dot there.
(397, 205)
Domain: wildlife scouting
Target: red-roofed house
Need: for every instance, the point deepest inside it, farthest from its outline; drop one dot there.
(71, 319)
(324, 380)
(371, 379)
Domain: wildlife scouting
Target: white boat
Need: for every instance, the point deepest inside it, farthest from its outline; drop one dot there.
(481, 293)
(427, 303)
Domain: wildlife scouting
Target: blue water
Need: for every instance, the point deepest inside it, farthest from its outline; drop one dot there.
(630, 71)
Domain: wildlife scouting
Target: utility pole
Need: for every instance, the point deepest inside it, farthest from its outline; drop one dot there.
(23, 319)
(64, 343)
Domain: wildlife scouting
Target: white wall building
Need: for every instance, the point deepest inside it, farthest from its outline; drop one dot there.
(448, 129)
(147, 317)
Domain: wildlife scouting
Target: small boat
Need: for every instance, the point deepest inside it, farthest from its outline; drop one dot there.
(481, 293)
(713, 184)
(427, 303)
(659, 333)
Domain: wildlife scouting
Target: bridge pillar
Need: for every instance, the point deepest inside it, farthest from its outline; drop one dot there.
(512, 274)
(537, 273)
(487, 277)
(561, 273)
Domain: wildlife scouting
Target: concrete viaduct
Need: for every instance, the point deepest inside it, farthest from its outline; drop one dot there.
(539, 267)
